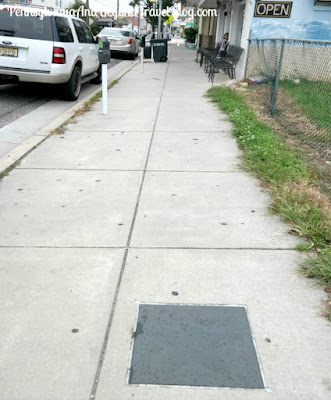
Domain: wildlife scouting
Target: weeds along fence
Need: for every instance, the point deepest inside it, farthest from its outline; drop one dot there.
(294, 78)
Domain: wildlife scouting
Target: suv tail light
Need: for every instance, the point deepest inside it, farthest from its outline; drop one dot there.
(59, 55)
(130, 41)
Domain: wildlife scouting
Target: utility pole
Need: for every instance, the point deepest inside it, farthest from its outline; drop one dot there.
(138, 19)
(118, 8)
(159, 20)
(133, 16)
(87, 5)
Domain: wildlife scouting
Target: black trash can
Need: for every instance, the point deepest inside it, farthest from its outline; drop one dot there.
(160, 50)
(147, 50)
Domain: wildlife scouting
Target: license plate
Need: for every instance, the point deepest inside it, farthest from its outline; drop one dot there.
(9, 52)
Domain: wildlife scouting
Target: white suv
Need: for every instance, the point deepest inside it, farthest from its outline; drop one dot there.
(37, 45)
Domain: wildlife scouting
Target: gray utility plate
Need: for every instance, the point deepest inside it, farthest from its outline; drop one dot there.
(193, 345)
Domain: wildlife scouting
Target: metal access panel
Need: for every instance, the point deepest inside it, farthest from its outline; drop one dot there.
(194, 345)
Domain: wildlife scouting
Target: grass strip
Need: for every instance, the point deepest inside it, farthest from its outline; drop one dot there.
(292, 185)
(89, 103)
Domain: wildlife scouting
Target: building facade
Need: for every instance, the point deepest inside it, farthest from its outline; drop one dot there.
(244, 19)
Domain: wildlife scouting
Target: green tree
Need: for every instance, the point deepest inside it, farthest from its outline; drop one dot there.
(190, 34)
(148, 6)
(80, 5)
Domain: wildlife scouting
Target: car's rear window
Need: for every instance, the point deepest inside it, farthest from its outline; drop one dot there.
(63, 29)
(25, 26)
(115, 32)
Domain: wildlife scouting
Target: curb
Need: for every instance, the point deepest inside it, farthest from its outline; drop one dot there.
(28, 145)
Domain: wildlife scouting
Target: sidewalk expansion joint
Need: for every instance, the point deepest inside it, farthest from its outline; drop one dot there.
(119, 282)
(128, 170)
(81, 169)
(151, 248)
(62, 247)
(196, 132)
(214, 248)
(9, 142)
(194, 172)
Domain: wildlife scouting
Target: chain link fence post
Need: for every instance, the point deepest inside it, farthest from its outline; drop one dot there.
(276, 82)
(247, 58)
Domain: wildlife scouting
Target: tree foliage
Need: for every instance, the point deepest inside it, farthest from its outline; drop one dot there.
(79, 4)
(147, 6)
(190, 33)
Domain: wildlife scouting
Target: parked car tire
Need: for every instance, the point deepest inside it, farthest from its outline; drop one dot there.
(73, 86)
(131, 56)
(98, 79)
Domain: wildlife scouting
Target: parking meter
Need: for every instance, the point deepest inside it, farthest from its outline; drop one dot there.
(143, 41)
(104, 58)
(104, 50)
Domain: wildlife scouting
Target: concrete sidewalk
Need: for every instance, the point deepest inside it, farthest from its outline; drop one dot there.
(147, 205)
(23, 134)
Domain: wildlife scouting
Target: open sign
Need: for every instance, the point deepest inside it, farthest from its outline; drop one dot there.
(273, 9)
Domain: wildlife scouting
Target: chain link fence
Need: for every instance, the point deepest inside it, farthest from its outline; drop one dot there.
(294, 79)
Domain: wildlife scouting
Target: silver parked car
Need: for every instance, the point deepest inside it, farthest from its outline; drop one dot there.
(121, 40)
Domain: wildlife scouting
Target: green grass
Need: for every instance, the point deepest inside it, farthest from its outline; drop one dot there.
(313, 98)
(293, 187)
(321, 266)
(304, 246)
(97, 96)
(264, 153)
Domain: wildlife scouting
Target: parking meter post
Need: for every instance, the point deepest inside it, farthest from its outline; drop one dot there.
(104, 89)
(104, 58)
(152, 58)
(142, 59)
(142, 46)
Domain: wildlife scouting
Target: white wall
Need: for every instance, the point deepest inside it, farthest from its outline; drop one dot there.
(232, 23)
(307, 21)
(244, 38)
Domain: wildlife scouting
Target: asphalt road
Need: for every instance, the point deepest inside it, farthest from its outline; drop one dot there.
(18, 100)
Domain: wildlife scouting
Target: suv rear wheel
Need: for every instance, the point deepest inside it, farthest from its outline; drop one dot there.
(73, 86)
(98, 79)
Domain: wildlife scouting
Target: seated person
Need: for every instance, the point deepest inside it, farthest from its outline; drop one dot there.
(223, 45)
